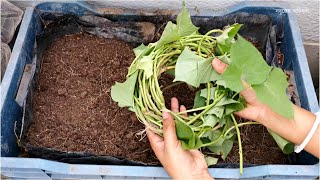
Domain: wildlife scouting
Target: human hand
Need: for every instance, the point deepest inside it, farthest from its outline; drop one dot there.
(255, 110)
(179, 163)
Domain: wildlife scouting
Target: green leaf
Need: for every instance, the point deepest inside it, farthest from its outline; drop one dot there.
(223, 149)
(194, 143)
(138, 50)
(193, 69)
(184, 132)
(146, 64)
(184, 23)
(224, 58)
(221, 39)
(204, 92)
(223, 120)
(225, 101)
(221, 82)
(210, 121)
(211, 160)
(171, 72)
(123, 92)
(246, 64)
(212, 135)
(218, 111)
(170, 34)
(205, 71)
(231, 108)
(198, 100)
(225, 40)
(198, 143)
(286, 146)
(187, 67)
(273, 93)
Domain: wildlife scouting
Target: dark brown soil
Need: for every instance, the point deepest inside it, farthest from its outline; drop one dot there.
(258, 147)
(73, 109)
(183, 92)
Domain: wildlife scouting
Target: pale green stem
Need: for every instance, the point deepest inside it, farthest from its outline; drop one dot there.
(239, 125)
(154, 94)
(192, 110)
(207, 109)
(208, 93)
(206, 35)
(239, 143)
(215, 141)
(172, 85)
(235, 95)
(164, 69)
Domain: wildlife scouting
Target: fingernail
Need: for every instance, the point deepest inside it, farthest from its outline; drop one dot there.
(165, 115)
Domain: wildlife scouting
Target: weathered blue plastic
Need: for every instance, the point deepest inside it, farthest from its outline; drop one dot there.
(33, 168)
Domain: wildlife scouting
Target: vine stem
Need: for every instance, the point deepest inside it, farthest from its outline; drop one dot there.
(239, 125)
(192, 110)
(235, 95)
(207, 109)
(172, 85)
(218, 139)
(239, 143)
(208, 93)
(206, 35)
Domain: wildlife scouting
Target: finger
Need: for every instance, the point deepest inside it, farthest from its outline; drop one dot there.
(174, 105)
(157, 143)
(248, 94)
(169, 132)
(182, 109)
(218, 65)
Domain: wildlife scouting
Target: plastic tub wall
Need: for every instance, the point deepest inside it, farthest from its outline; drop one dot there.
(34, 168)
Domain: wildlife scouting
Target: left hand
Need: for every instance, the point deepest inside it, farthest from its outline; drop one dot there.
(179, 163)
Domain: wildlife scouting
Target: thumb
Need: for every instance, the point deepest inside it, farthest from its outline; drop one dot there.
(169, 131)
(218, 65)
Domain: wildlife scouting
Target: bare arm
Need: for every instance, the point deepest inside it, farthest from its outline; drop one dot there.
(295, 130)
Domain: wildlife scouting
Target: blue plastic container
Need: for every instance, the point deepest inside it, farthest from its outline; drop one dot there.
(33, 168)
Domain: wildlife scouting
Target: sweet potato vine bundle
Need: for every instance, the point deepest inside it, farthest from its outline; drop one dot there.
(185, 53)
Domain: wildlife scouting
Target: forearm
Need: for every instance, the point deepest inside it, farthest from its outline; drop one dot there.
(295, 130)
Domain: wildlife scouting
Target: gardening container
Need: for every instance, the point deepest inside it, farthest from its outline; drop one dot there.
(14, 90)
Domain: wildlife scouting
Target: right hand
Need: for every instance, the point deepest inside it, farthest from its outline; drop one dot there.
(255, 110)
(294, 130)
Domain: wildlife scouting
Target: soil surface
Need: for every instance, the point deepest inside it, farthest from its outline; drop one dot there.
(258, 147)
(73, 109)
(182, 91)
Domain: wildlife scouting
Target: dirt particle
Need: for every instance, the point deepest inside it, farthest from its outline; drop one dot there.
(129, 135)
(62, 91)
(133, 118)
(83, 94)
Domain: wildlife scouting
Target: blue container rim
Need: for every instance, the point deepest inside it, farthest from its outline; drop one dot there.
(308, 171)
